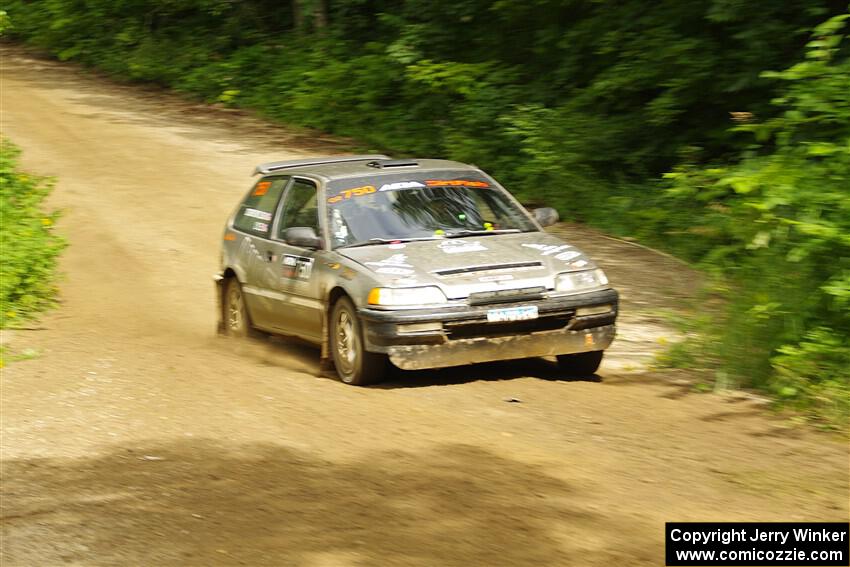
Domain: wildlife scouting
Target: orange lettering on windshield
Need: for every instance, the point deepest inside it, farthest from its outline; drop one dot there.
(349, 193)
(455, 183)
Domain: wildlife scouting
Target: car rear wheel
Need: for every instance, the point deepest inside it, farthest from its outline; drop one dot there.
(354, 365)
(237, 322)
(581, 364)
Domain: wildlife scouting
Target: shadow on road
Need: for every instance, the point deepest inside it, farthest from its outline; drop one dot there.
(489, 371)
(199, 502)
(292, 353)
(296, 355)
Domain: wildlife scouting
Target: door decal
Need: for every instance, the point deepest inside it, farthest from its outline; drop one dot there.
(297, 267)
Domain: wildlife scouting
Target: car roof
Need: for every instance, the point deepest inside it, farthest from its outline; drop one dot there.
(330, 169)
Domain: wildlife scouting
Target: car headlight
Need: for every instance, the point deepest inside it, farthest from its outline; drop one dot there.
(396, 297)
(573, 281)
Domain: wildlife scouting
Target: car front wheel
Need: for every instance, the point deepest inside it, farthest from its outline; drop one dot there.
(581, 364)
(354, 364)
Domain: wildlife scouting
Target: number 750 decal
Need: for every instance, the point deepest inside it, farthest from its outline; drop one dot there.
(349, 193)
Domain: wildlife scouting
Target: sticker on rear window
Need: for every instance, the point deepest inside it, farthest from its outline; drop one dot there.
(261, 189)
(255, 214)
(260, 227)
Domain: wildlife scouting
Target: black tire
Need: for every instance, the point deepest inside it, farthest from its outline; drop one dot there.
(354, 365)
(581, 364)
(235, 317)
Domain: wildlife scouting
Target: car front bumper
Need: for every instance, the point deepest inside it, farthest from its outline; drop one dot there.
(465, 336)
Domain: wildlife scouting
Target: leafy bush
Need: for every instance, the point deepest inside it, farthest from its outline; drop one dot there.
(583, 102)
(782, 237)
(28, 245)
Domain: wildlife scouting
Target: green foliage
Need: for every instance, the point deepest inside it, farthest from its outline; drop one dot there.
(5, 23)
(7, 355)
(812, 374)
(28, 246)
(782, 238)
(589, 99)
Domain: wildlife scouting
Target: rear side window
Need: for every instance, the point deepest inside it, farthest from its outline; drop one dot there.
(257, 210)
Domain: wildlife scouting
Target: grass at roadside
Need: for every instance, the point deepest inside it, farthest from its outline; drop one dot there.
(29, 246)
(8, 355)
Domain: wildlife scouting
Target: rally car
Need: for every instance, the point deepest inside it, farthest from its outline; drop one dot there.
(425, 263)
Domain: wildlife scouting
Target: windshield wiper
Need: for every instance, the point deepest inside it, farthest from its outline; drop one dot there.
(376, 241)
(462, 233)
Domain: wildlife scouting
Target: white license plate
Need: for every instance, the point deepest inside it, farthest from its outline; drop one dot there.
(512, 314)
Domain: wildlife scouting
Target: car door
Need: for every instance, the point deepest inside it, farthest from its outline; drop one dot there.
(289, 279)
(252, 224)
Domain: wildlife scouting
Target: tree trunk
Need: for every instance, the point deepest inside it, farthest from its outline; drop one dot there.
(297, 15)
(320, 14)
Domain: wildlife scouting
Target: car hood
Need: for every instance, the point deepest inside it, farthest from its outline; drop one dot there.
(460, 266)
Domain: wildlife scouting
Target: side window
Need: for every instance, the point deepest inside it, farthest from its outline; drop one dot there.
(300, 208)
(256, 212)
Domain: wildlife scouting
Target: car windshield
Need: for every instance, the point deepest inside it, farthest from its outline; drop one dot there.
(448, 204)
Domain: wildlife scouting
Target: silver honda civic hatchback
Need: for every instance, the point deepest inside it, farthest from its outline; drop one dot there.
(425, 263)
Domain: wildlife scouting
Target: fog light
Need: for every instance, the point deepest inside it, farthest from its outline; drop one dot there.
(595, 310)
(419, 328)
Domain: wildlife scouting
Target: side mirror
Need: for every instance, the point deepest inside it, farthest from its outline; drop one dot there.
(303, 237)
(545, 216)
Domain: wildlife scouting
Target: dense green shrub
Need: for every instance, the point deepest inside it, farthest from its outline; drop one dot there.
(28, 246)
(577, 102)
(781, 237)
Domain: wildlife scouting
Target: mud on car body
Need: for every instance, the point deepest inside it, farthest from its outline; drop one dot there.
(427, 263)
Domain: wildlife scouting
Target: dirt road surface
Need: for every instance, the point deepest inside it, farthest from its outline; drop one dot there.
(137, 437)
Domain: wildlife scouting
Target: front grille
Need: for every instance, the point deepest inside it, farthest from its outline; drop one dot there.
(507, 295)
(470, 330)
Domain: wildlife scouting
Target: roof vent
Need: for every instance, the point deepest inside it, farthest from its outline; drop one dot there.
(390, 163)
